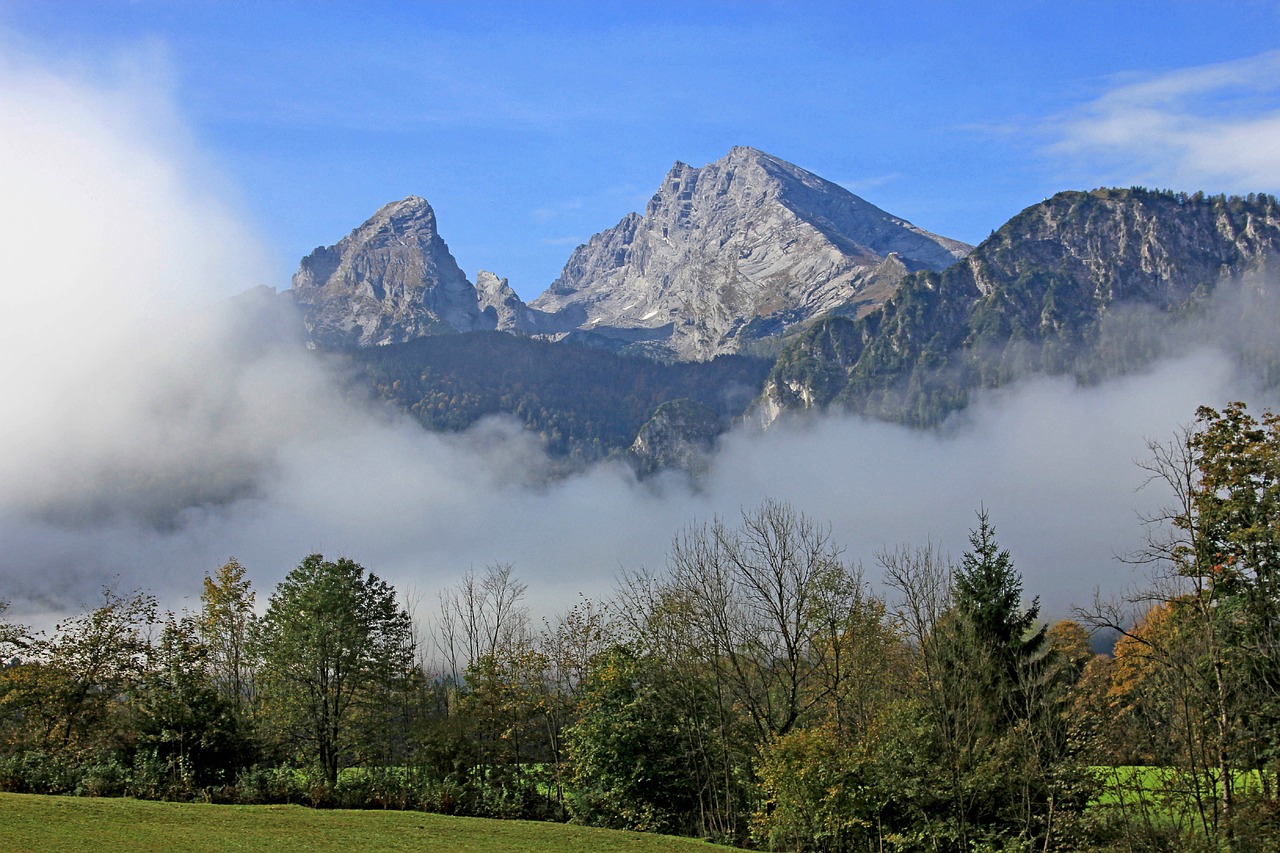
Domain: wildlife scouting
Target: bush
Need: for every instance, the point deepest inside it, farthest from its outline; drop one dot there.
(161, 778)
(37, 772)
(441, 796)
(813, 798)
(271, 786)
(108, 778)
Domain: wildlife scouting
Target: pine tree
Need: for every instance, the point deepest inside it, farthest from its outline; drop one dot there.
(988, 599)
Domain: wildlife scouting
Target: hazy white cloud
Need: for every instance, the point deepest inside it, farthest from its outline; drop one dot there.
(1212, 127)
(149, 433)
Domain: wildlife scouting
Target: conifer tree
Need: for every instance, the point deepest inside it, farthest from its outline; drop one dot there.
(988, 599)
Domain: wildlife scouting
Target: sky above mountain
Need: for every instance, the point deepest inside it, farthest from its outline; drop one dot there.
(530, 126)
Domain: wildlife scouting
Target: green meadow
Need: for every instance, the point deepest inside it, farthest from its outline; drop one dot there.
(43, 824)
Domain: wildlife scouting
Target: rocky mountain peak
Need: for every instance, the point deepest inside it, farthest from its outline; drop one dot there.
(502, 307)
(391, 279)
(742, 249)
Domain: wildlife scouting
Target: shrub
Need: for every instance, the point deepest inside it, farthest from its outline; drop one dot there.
(271, 786)
(37, 772)
(107, 778)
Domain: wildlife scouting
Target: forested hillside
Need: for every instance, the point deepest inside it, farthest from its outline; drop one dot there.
(1091, 285)
(584, 403)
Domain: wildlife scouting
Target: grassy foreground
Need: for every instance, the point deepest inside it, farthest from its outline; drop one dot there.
(50, 824)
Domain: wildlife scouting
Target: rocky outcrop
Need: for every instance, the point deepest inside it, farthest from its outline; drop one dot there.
(679, 436)
(747, 248)
(504, 310)
(388, 281)
(1087, 284)
(499, 302)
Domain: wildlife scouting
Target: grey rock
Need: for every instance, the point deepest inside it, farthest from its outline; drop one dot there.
(744, 249)
(500, 302)
(388, 281)
(1084, 284)
(506, 311)
(679, 436)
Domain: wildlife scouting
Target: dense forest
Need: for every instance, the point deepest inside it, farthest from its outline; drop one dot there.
(583, 403)
(759, 691)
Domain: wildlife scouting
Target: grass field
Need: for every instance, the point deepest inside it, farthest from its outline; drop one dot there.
(52, 824)
(1131, 783)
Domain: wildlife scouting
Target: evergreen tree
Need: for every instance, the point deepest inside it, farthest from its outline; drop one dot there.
(988, 600)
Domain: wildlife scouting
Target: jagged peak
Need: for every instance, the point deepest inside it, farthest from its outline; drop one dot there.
(746, 154)
(410, 207)
(491, 281)
(737, 155)
(740, 157)
(391, 279)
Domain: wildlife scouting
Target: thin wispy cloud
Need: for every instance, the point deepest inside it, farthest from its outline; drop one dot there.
(549, 213)
(1213, 127)
(862, 185)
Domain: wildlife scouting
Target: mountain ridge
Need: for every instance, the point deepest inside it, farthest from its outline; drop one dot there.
(727, 257)
(1088, 284)
(744, 248)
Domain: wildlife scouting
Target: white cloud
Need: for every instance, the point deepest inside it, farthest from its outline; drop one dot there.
(1212, 127)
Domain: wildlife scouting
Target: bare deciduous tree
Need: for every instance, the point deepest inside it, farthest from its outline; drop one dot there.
(769, 602)
(481, 617)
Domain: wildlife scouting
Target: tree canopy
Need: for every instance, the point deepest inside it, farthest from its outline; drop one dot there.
(333, 638)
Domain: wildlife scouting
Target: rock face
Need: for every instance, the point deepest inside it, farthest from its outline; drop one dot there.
(679, 436)
(499, 302)
(1086, 284)
(745, 248)
(505, 311)
(388, 281)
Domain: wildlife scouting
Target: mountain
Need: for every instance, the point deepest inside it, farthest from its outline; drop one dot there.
(390, 280)
(1089, 284)
(747, 248)
(727, 258)
(849, 307)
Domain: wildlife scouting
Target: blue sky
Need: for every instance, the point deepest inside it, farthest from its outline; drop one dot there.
(530, 126)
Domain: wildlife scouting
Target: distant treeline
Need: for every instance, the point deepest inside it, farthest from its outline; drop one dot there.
(758, 692)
